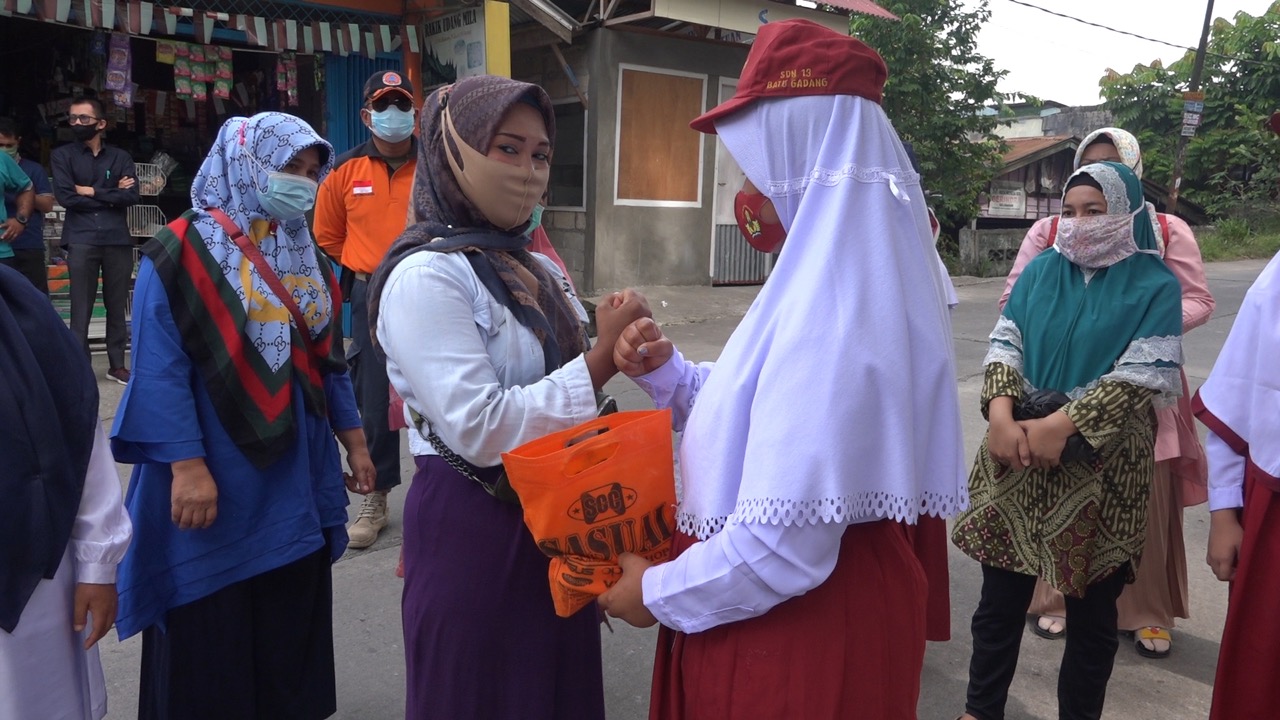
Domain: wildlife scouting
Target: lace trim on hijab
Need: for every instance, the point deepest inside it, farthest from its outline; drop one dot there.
(1006, 345)
(1144, 351)
(895, 177)
(1113, 189)
(846, 509)
(1137, 367)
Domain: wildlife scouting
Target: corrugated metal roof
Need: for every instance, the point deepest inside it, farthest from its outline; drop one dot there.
(1020, 148)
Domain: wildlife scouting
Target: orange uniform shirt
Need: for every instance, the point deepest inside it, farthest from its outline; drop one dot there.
(362, 206)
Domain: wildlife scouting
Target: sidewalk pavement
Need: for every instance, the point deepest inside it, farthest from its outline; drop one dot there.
(369, 644)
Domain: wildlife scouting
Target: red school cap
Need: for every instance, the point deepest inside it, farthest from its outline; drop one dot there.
(1274, 122)
(800, 57)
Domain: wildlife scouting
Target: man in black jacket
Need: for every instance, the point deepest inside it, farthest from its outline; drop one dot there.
(97, 183)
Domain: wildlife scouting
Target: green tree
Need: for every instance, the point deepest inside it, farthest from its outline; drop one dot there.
(1233, 162)
(938, 87)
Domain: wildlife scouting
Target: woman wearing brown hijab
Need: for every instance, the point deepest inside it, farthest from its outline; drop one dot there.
(485, 343)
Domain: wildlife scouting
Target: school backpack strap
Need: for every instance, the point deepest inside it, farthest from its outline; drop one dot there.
(1164, 232)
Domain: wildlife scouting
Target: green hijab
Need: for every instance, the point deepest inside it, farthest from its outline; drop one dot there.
(1066, 328)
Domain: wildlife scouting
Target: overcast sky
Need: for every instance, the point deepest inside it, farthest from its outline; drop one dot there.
(1058, 59)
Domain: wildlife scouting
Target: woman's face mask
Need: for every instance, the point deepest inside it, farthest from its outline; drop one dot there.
(1096, 241)
(287, 196)
(504, 193)
(535, 220)
(758, 220)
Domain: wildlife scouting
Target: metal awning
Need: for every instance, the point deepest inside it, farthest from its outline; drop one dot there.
(862, 7)
(737, 16)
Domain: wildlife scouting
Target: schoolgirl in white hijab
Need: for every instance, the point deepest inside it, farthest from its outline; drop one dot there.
(830, 420)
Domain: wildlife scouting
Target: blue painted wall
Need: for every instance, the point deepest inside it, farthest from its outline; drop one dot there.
(344, 79)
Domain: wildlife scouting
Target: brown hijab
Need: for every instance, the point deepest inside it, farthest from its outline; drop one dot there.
(443, 219)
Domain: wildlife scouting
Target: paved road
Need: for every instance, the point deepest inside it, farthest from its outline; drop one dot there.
(370, 658)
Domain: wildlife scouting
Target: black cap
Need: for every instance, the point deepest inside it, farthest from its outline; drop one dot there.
(385, 81)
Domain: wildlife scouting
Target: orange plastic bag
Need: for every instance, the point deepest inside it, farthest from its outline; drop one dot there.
(593, 492)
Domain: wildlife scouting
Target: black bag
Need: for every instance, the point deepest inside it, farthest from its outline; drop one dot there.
(1043, 403)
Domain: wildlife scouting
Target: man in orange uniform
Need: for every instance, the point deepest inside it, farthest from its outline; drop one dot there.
(360, 210)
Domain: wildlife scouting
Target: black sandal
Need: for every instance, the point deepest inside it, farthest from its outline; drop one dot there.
(1046, 633)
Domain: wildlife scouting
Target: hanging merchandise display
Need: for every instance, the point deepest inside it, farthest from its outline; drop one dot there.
(119, 78)
(166, 52)
(287, 78)
(182, 78)
(223, 75)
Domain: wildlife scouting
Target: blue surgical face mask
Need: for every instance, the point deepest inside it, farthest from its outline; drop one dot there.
(392, 124)
(287, 197)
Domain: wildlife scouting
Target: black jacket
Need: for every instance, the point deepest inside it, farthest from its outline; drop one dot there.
(103, 218)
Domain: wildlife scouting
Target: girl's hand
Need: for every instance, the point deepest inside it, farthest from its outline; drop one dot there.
(1225, 538)
(625, 600)
(642, 348)
(1007, 444)
(98, 601)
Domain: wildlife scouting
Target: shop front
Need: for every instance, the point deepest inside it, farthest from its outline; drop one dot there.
(170, 76)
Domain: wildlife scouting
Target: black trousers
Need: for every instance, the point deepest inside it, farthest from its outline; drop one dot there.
(1087, 660)
(32, 265)
(115, 265)
(369, 376)
(261, 649)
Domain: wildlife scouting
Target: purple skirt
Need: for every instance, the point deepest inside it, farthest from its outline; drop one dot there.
(481, 638)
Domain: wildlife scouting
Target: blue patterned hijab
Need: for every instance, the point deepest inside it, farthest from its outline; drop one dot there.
(230, 180)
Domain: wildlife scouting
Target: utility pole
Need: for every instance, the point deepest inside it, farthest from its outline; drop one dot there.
(1197, 70)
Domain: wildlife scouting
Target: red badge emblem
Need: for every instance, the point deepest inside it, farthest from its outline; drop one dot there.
(391, 79)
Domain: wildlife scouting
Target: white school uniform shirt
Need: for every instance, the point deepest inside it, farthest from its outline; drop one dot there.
(45, 672)
(745, 569)
(462, 360)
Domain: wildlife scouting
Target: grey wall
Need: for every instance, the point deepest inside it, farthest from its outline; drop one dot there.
(990, 253)
(566, 229)
(627, 245)
(1078, 121)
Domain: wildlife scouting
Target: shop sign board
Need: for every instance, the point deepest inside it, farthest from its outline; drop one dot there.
(455, 47)
(1007, 200)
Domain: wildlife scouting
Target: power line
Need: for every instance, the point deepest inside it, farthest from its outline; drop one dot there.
(1136, 35)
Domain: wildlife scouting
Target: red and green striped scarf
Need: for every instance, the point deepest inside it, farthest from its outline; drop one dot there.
(252, 402)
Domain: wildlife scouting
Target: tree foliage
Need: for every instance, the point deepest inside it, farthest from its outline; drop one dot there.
(938, 87)
(1233, 161)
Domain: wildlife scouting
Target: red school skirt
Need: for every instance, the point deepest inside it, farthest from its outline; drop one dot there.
(1249, 658)
(852, 647)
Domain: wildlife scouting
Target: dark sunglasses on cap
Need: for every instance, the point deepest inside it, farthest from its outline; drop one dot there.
(403, 102)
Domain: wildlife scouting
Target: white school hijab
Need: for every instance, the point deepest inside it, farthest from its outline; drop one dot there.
(1243, 390)
(835, 399)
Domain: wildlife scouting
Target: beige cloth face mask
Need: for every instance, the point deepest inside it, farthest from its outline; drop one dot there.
(506, 194)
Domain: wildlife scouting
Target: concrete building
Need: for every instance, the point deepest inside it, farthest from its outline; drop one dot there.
(638, 198)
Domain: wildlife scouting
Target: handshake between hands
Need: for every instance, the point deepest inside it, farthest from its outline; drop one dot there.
(634, 344)
(628, 335)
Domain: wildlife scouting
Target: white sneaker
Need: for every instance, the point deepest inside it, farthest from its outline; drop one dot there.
(371, 520)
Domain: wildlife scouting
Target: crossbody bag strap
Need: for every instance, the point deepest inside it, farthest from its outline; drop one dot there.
(269, 276)
(456, 461)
